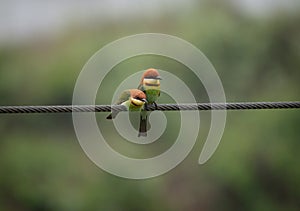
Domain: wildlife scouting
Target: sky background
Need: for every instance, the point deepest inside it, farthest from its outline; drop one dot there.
(20, 20)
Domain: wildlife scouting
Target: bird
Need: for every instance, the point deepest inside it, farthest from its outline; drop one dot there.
(132, 99)
(150, 85)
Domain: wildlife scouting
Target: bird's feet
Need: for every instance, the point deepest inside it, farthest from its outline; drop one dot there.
(156, 108)
(146, 106)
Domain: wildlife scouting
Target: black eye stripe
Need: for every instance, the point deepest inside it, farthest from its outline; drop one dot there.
(151, 77)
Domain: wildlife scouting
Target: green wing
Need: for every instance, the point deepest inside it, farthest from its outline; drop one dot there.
(123, 97)
(141, 87)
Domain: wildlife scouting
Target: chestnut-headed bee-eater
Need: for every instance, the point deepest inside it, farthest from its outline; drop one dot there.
(132, 99)
(150, 85)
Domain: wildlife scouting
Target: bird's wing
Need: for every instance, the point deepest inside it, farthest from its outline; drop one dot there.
(141, 87)
(123, 97)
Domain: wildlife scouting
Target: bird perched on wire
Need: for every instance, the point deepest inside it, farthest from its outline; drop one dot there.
(132, 99)
(150, 85)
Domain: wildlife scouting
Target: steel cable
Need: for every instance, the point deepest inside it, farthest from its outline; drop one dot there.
(160, 107)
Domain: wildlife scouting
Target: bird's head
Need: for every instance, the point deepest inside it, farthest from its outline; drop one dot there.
(137, 97)
(151, 77)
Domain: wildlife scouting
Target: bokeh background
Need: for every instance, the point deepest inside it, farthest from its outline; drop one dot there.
(255, 48)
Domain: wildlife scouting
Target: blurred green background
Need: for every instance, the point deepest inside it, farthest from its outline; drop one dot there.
(255, 48)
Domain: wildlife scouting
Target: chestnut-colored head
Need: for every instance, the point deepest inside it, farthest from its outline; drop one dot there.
(151, 78)
(150, 73)
(137, 97)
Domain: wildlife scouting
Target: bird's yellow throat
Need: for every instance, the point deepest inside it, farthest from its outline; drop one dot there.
(151, 83)
(136, 102)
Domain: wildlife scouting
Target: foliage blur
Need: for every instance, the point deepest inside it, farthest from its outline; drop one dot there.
(256, 166)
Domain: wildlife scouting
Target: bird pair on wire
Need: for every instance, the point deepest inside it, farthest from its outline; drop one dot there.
(137, 99)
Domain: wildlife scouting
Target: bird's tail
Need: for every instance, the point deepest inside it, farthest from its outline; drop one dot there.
(109, 116)
(112, 115)
(143, 126)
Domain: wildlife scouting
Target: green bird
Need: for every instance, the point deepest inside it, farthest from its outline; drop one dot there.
(150, 85)
(132, 99)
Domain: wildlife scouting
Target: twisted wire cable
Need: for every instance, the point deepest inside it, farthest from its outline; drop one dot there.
(160, 107)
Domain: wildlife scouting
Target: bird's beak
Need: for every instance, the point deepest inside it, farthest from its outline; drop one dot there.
(144, 100)
(158, 77)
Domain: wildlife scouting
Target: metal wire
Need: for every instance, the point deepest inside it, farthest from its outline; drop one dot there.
(161, 107)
